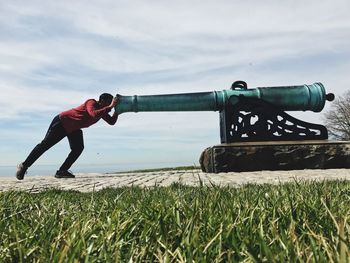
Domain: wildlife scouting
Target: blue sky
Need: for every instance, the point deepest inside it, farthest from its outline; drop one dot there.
(56, 54)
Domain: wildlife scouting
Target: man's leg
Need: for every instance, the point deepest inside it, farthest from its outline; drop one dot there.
(54, 134)
(76, 142)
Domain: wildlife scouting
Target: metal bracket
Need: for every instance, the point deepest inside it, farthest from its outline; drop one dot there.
(252, 119)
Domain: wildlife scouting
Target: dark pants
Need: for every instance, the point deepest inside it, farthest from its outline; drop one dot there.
(54, 134)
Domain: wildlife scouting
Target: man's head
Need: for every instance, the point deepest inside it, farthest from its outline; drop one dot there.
(105, 99)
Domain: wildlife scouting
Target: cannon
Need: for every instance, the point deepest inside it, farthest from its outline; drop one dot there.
(256, 114)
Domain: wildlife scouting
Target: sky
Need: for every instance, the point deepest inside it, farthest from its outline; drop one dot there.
(56, 54)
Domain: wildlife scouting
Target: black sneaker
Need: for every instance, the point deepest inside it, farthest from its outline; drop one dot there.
(21, 171)
(64, 174)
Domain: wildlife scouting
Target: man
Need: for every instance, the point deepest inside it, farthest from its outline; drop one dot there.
(69, 124)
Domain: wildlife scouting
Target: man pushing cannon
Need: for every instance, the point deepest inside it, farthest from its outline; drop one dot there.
(246, 115)
(69, 124)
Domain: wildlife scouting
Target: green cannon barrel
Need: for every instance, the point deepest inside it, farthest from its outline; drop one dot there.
(288, 98)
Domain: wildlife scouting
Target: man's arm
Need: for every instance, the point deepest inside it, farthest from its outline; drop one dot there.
(108, 118)
(96, 113)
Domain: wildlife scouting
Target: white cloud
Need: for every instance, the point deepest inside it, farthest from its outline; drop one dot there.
(26, 101)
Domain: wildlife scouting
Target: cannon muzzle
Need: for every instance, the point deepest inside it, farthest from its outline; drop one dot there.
(288, 98)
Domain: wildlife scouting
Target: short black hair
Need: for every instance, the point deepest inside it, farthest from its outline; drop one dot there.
(106, 97)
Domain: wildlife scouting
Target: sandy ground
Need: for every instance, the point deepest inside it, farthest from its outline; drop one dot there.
(87, 182)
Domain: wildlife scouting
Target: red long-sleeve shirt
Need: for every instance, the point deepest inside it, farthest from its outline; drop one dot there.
(85, 115)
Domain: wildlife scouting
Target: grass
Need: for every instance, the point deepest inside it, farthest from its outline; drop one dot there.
(295, 222)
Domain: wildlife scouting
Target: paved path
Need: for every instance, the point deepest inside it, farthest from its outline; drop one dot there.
(94, 181)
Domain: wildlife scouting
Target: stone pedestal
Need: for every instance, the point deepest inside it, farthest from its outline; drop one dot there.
(286, 155)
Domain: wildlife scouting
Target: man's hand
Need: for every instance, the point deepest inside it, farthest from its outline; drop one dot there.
(114, 102)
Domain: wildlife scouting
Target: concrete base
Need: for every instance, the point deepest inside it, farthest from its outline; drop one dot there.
(287, 155)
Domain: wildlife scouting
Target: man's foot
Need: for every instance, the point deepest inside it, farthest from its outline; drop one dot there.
(21, 171)
(64, 174)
